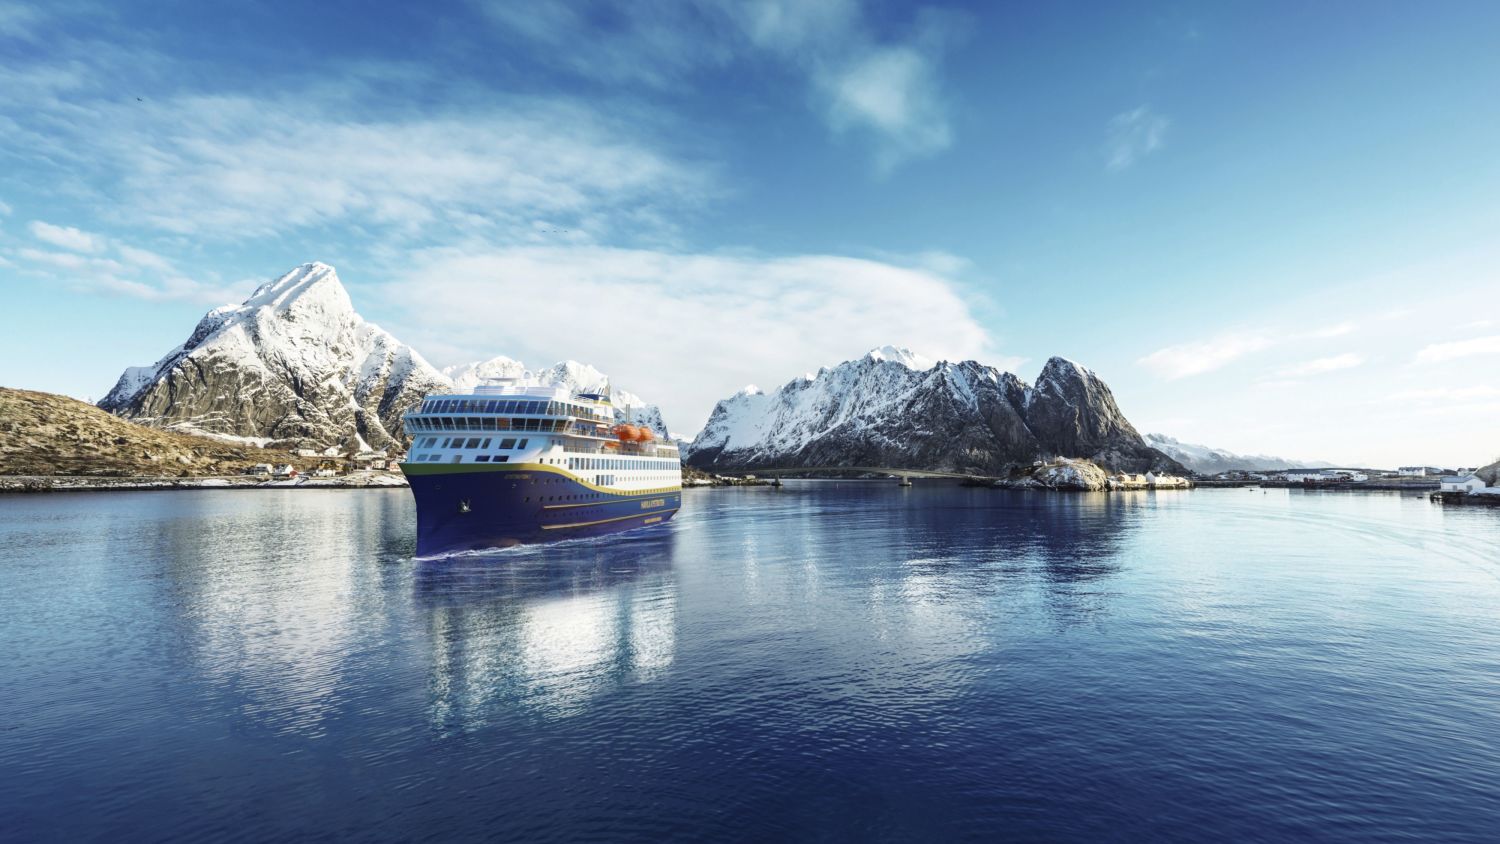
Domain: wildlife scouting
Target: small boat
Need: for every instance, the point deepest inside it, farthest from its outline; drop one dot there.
(905, 481)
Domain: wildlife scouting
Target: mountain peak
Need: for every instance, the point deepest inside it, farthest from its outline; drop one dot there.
(902, 355)
(1061, 367)
(295, 363)
(962, 417)
(313, 284)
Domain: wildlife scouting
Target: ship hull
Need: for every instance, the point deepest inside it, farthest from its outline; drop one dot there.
(473, 507)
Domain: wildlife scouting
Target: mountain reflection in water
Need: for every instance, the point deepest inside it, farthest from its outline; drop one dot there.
(845, 660)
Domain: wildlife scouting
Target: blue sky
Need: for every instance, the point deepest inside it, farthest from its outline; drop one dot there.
(1270, 227)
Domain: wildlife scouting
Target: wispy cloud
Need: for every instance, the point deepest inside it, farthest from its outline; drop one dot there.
(1336, 330)
(1321, 366)
(66, 237)
(889, 90)
(739, 318)
(234, 166)
(1483, 391)
(94, 262)
(1133, 135)
(5, 209)
(1439, 352)
(1187, 359)
(892, 92)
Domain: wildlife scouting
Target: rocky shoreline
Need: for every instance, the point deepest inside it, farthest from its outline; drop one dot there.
(95, 483)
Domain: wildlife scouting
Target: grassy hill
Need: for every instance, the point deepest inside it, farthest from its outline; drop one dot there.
(46, 434)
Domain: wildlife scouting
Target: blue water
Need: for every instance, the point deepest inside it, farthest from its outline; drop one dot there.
(828, 661)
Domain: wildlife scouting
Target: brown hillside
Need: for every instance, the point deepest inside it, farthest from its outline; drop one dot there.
(46, 434)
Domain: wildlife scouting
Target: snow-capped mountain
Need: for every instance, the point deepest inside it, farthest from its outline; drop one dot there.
(1209, 461)
(894, 409)
(293, 364)
(296, 365)
(579, 377)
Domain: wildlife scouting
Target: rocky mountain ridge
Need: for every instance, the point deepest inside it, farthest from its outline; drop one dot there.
(296, 366)
(1210, 461)
(894, 409)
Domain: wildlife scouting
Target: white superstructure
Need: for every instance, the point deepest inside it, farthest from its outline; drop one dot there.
(514, 422)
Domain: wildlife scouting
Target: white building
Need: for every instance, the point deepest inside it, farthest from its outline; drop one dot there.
(1412, 471)
(285, 470)
(1461, 483)
(1297, 476)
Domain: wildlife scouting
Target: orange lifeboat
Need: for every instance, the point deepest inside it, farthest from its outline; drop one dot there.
(627, 433)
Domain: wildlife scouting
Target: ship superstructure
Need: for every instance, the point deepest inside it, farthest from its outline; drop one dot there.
(512, 463)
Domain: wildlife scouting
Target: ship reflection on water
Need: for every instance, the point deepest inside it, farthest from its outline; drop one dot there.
(547, 628)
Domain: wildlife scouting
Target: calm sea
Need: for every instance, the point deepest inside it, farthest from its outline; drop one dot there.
(828, 661)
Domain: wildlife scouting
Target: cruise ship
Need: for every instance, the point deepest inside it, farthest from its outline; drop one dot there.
(513, 463)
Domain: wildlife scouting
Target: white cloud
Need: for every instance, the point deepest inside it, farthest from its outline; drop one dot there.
(1186, 359)
(70, 261)
(1321, 366)
(681, 329)
(1448, 394)
(144, 259)
(1133, 135)
(888, 89)
(891, 91)
(1439, 352)
(1335, 330)
(66, 237)
(236, 167)
(137, 273)
(5, 209)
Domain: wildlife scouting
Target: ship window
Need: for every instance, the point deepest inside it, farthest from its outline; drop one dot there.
(483, 458)
(489, 406)
(473, 443)
(521, 444)
(475, 423)
(508, 442)
(489, 423)
(486, 443)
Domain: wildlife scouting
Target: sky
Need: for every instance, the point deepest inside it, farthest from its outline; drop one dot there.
(1271, 227)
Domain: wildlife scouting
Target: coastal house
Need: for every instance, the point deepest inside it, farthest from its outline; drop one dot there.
(373, 461)
(1412, 471)
(284, 470)
(1302, 476)
(1165, 481)
(1461, 483)
(259, 469)
(324, 473)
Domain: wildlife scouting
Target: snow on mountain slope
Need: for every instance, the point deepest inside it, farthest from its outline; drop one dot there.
(1209, 461)
(895, 409)
(470, 375)
(294, 364)
(579, 377)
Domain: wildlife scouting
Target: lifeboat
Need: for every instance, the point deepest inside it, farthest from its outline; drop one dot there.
(633, 434)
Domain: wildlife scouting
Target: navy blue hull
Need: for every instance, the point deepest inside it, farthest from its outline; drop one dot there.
(468, 508)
